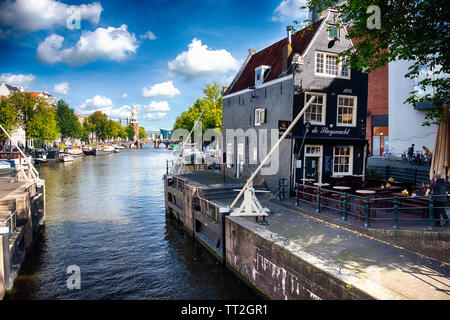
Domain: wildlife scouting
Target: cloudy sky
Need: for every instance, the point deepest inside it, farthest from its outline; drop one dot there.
(110, 55)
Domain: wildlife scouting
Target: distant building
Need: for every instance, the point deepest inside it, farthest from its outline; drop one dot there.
(392, 124)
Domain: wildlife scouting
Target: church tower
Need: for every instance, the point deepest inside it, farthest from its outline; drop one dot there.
(135, 124)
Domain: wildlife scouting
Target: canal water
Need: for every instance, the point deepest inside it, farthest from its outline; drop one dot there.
(106, 215)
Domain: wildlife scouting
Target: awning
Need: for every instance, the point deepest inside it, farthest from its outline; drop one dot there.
(441, 155)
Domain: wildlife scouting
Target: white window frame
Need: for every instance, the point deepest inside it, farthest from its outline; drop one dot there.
(262, 69)
(324, 108)
(323, 73)
(258, 113)
(355, 111)
(350, 163)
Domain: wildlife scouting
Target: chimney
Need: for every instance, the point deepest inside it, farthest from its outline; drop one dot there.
(287, 50)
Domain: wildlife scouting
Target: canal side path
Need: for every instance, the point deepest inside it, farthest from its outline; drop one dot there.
(378, 268)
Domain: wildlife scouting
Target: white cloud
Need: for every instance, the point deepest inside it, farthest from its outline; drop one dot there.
(289, 10)
(155, 115)
(61, 88)
(164, 90)
(199, 60)
(156, 110)
(122, 112)
(105, 105)
(124, 95)
(148, 35)
(111, 43)
(33, 15)
(96, 103)
(22, 80)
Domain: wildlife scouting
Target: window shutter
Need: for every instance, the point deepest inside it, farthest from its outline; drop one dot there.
(257, 120)
(263, 116)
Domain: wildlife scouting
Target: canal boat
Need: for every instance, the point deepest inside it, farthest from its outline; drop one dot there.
(105, 150)
(76, 151)
(40, 157)
(54, 156)
(67, 158)
(89, 151)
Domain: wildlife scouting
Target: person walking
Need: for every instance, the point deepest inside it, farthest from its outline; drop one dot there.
(410, 153)
(438, 191)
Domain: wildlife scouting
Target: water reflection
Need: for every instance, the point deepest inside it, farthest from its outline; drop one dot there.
(106, 215)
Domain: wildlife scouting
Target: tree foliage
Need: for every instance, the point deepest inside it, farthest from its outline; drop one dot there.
(211, 102)
(414, 30)
(129, 130)
(35, 115)
(142, 133)
(9, 118)
(68, 123)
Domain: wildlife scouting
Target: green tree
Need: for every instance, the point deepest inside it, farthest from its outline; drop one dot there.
(129, 130)
(88, 128)
(36, 116)
(67, 121)
(99, 120)
(43, 125)
(414, 30)
(9, 119)
(211, 102)
(115, 129)
(142, 133)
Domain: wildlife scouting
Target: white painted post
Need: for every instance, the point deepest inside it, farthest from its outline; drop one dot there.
(250, 180)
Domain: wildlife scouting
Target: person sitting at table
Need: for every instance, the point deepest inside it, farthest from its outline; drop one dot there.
(438, 190)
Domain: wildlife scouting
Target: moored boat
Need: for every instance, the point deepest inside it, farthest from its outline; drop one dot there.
(89, 151)
(67, 158)
(76, 151)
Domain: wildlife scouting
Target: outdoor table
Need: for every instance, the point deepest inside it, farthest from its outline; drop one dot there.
(305, 180)
(365, 192)
(341, 188)
(318, 184)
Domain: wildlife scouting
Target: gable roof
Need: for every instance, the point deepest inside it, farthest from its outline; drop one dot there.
(272, 56)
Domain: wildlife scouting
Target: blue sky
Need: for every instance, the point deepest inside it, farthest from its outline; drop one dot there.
(157, 55)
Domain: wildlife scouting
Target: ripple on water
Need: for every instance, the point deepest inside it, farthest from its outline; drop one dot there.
(106, 215)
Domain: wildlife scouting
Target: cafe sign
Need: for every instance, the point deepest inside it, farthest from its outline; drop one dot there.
(330, 132)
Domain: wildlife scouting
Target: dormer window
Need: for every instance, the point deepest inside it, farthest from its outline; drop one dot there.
(260, 74)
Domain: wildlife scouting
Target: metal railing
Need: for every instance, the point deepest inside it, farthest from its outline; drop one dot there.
(10, 222)
(411, 175)
(378, 212)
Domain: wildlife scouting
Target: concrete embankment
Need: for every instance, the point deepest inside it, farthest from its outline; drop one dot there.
(297, 256)
(22, 214)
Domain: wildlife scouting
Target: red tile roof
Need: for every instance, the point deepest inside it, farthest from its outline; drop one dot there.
(272, 56)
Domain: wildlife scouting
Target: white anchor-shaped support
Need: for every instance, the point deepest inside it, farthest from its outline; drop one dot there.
(250, 207)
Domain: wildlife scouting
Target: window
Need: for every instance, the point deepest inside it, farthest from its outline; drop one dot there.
(328, 64)
(261, 73)
(313, 150)
(346, 111)
(260, 116)
(315, 114)
(343, 160)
